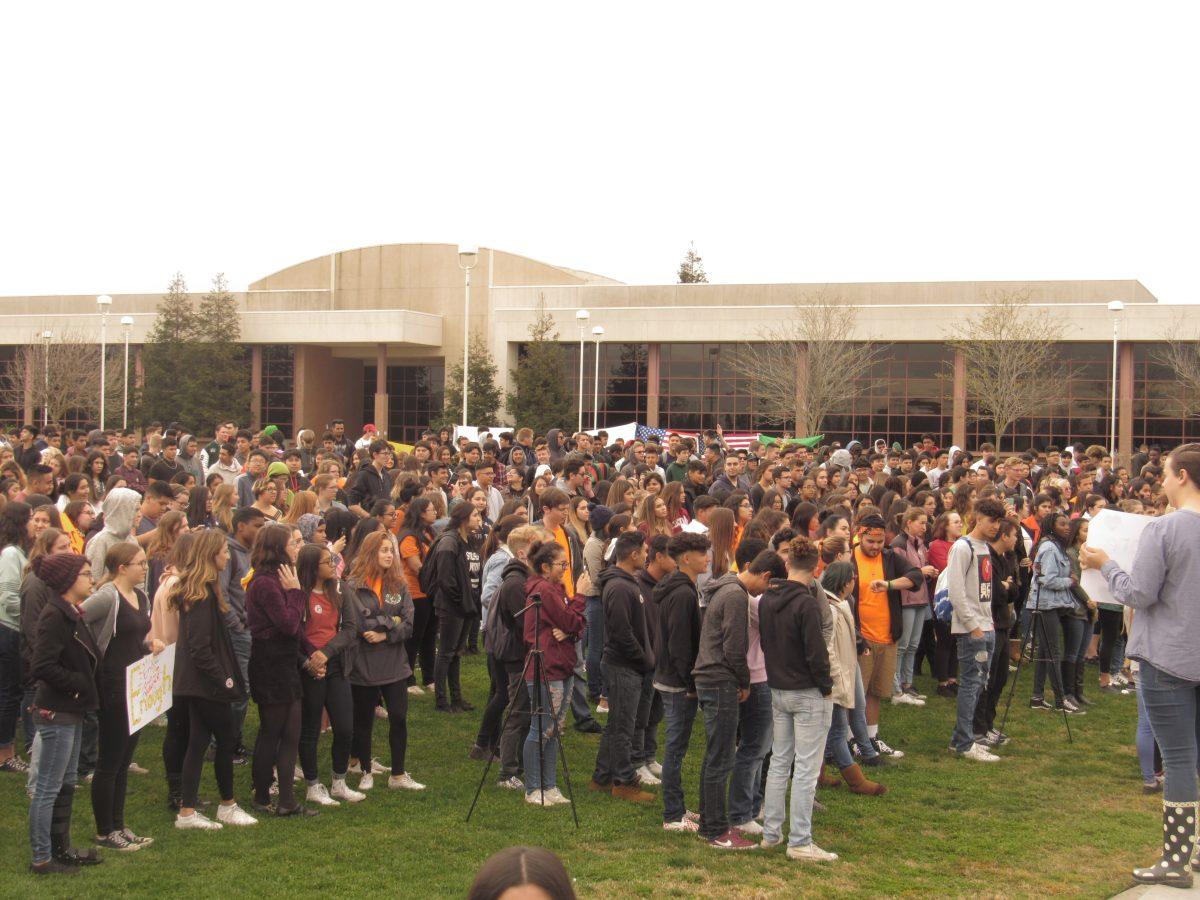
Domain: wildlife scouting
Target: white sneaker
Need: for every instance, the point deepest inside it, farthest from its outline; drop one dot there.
(198, 821)
(135, 769)
(377, 768)
(602, 706)
(750, 827)
(903, 699)
(404, 782)
(655, 768)
(513, 783)
(416, 689)
(235, 815)
(319, 795)
(297, 774)
(810, 853)
(684, 824)
(381, 712)
(555, 796)
(366, 783)
(979, 753)
(539, 798)
(343, 791)
(644, 776)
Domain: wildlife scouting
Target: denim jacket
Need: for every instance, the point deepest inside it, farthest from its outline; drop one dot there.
(1051, 578)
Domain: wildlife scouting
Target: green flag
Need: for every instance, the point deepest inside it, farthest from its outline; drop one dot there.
(810, 442)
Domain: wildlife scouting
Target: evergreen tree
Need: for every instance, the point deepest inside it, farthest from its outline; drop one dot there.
(171, 349)
(542, 397)
(483, 394)
(691, 270)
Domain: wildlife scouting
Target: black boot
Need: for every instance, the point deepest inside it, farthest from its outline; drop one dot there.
(60, 833)
(1179, 839)
(174, 792)
(1080, 672)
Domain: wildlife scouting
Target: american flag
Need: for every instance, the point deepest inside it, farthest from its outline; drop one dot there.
(734, 440)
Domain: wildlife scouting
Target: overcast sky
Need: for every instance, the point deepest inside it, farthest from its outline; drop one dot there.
(800, 142)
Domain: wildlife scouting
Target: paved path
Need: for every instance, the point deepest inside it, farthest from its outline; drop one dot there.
(1158, 892)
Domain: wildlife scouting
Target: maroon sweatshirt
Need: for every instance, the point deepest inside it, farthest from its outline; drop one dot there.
(558, 657)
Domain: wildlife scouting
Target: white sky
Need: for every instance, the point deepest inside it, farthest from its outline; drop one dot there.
(798, 142)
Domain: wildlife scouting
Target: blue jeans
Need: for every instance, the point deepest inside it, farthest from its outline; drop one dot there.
(801, 723)
(974, 660)
(10, 684)
(906, 647)
(1145, 743)
(241, 652)
(850, 721)
(614, 758)
(679, 712)
(1171, 704)
(645, 728)
(544, 729)
(745, 787)
(56, 769)
(719, 706)
(595, 647)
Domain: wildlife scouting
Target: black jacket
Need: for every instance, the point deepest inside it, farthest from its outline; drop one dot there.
(65, 660)
(205, 666)
(648, 584)
(626, 638)
(451, 576)
(678, 612)
(1004, 566)
(506, 630)
(367, 487)
(894, 566)
(789, 624)
(34, 595)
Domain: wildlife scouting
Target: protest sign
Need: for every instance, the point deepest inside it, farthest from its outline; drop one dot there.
(1117, 534)
(148, 687)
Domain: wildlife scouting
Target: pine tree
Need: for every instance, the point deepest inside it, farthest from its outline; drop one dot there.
(542, 398)
(691, 270)
(483, 394)
(223, 372)
(171, 351)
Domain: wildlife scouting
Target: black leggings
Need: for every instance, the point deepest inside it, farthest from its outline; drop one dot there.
(275, 751)
(395, 698)
(422, 645)
(329, 694)
(175, 741)
(112, 765)
(1048, 628)
(489, 726)
(209, 719)
(1111, 621)
(945, 653)
(452, 639)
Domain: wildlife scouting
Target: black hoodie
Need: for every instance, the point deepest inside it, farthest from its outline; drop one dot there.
(678, 614)
(626, 638)
(793, 644)
(506, 632)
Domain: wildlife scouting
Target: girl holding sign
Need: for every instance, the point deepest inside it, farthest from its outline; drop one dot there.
(118, 615)
(1164, 590)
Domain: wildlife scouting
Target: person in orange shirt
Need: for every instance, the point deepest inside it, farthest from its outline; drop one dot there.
(882, 575)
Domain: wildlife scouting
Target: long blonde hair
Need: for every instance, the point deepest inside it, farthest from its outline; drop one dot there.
(200, 573)
(302, 502)
(223, 500)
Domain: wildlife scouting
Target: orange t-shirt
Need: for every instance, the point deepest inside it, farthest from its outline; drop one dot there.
(408, 549)
(560, 535)
(874, 614)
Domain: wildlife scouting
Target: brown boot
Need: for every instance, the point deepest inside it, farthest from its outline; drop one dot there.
(828, 780)
(632, 793)
(859, 784)
(599, 788)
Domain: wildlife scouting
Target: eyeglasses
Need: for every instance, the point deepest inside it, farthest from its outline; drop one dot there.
(561, 565)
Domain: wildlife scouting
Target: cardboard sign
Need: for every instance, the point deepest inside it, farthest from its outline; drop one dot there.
(148, 687)
(1117, 534)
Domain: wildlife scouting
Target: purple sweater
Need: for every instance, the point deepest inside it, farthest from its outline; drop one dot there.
(273, 613)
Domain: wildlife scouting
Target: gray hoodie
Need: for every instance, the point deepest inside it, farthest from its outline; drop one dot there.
(969, 585)
(191, 463)
(724, 634)
(120, 509)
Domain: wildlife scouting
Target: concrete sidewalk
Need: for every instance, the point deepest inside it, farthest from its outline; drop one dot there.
(1159, 891)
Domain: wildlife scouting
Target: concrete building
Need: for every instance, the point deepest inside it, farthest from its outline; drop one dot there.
(368, 335)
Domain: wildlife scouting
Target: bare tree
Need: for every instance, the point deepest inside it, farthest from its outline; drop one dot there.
(1012, 371)
(805, 367)
(1181, 355)
(62, 376)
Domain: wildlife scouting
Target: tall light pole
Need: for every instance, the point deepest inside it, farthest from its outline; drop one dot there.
(104, 302)
(1116, 307)
(597, 333)
(467, 257)
(126, 324)
(46, 335)
(581, 316)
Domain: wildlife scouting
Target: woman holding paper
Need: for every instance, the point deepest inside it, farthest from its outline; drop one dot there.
(118, 615)
(1164, 589)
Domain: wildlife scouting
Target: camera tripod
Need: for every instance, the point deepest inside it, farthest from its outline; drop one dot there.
(533, 663)
(1037, 621)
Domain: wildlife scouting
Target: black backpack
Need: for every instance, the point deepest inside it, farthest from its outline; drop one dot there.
(426, 577)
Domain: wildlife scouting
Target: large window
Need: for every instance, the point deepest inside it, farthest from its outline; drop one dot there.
(414, 398)
(1156, 417)
(12, 405)
(278, 387)
(621, 385)
(699, 387)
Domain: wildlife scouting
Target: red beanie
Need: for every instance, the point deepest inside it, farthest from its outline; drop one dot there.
(59, 570)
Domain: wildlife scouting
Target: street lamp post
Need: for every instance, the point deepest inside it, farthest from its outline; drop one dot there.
(467, 258)
(597, 333)
(1116, 307)
(104, 302)
(126, 324)
(46, 335)
(581, 316)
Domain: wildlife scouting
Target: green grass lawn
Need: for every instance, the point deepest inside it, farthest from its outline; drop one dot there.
(1052, 818)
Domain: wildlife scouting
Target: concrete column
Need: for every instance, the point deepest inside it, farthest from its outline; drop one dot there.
(32, 414)
(381, 396)
(653, 357)
(1125, 402)
(256, 375)
(958, 423)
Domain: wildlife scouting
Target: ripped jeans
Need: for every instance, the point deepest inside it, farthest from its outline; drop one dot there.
(974, 661)
(544, 728)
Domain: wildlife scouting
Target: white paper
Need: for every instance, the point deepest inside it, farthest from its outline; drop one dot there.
(1117, 534)
(148, 684)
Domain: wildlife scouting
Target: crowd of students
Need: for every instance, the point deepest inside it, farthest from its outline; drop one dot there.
(783, 594)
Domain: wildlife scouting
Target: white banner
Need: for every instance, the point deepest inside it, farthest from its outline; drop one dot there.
(1117, 534)
(148, 687)
(626, 432)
